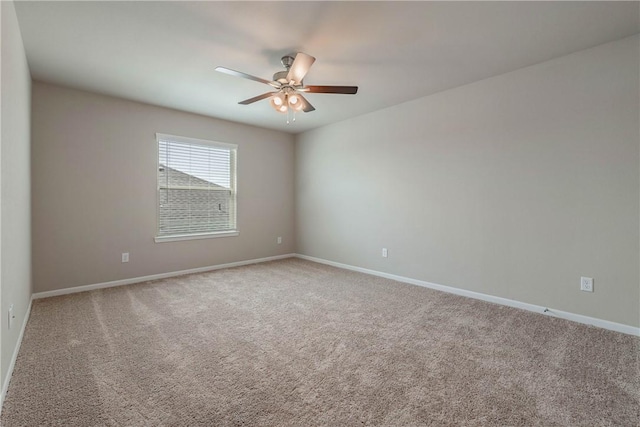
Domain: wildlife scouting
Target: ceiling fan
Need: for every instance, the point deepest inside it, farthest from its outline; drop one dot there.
(289, 85)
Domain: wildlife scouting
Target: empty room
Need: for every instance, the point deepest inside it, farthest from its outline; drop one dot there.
(319, 213)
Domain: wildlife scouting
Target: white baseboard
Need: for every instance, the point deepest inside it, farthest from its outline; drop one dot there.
(605, 324)
(14, 356)
(618, 327)
(123, 282)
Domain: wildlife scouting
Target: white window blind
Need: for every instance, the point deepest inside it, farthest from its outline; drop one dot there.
(196, 187)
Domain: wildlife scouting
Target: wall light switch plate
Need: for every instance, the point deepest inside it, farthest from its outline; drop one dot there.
(385, 253)
(125, 257)
(586, 284)
(279, 240)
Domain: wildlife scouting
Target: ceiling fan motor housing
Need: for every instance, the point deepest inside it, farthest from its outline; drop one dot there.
(281, 76)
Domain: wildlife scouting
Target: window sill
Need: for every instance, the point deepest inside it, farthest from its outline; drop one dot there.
(162, 239)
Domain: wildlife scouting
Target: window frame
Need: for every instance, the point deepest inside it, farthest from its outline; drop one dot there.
(233, 181)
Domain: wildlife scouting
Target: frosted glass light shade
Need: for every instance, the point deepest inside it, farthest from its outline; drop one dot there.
(277, 102)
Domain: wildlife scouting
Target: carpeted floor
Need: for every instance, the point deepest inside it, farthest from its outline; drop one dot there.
(297, 343)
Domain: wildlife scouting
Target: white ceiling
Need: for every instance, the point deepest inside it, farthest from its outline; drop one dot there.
(164, 53)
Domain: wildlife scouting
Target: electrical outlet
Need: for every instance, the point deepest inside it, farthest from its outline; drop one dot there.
(279, 240)
(385, 253)
(125, 256)
(586, 284)
(11, 316)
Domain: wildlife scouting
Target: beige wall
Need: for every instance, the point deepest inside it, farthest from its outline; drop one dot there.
(15, 209)
(514, 186)
(94, 190)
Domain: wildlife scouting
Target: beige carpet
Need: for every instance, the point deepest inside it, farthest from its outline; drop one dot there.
(297, 343)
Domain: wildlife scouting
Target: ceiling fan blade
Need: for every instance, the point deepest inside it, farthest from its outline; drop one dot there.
(306, 105)
(347, 90)
(247, 76)
(257, 98)
(300, 67)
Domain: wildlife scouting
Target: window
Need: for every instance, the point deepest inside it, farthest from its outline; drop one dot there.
(196, 188)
